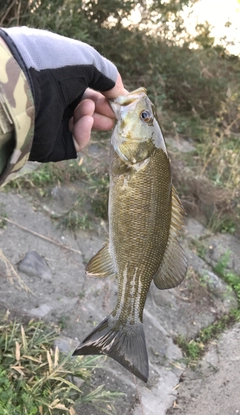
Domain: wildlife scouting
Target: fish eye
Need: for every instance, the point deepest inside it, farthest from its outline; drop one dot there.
(146, 115)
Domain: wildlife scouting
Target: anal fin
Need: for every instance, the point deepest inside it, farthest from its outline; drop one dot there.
(101, 264)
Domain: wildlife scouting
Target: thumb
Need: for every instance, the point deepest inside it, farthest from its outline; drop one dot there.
(117, 90)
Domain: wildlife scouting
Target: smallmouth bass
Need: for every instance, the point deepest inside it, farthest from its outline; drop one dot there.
(145, 219)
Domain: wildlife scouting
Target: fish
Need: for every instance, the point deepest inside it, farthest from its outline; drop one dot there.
(145, 221)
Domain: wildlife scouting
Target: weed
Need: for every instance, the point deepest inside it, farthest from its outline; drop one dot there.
(213, 330)
(3, 215)
(222, 224)
(199, 247)
(234, 281)
(235, 314)
(220, 267)
(192, 348)
(204, 280)
(74, 220)
(35, 378)
(63, 321)
(47, 175)
(195, 348)
(100, 185)
(230, 277)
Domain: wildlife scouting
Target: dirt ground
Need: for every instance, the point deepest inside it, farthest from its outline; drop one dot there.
(65, 295)
(213, 387)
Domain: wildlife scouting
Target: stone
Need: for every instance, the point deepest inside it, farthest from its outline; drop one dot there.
(66, 344)
(35, 266)
(194, 228)
(220, 245)
(180, 144)
(41, 311)
(213, 386)
(219, 288)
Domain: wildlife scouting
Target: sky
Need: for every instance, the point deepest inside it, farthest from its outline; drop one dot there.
(217, 13)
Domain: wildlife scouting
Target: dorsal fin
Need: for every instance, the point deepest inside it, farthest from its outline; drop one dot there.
(101, 264)
(174, 264)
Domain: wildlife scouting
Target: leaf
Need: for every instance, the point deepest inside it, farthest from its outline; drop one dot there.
(60, 406)
(17, 352)
(24, 340)
(56, 356)
(50, 363)
(18, 369)
(32, 358)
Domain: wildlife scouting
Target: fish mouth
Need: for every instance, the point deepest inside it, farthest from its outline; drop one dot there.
(126, 100)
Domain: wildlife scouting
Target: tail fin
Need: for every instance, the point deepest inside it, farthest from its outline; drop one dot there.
(124, 343)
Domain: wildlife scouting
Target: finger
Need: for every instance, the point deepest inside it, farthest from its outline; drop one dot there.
(102, 123)
(85, 107)
(101, 103)
(82, 131)
(117, 90)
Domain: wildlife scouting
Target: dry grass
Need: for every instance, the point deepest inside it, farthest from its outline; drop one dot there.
(10, 273)
(36, 379)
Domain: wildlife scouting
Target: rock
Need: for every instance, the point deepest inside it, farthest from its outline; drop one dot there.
(213, 386)
(219, 288)
(223, 244)
(41, 311)
(28, 168)
(180, 144)
(192, 305)
(66, 344)
(35, 266)
(83, 302)
(194, 228)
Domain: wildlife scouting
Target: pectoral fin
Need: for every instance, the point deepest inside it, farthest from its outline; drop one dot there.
(174, 264)
(101, 264)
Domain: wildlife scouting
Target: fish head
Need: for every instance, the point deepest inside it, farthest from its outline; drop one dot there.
(137, 132)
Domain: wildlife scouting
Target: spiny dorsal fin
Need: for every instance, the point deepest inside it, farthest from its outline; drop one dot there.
(101, 264)
(174, 264)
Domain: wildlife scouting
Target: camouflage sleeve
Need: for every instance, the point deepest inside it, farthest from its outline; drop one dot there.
(16, 116)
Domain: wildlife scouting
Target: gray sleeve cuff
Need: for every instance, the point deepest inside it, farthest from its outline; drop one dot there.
(41, 50)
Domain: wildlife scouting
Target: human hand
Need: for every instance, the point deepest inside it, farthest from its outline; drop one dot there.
(62, 73)
(94, 112)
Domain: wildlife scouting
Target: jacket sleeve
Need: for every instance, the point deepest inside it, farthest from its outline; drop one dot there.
(58, 70)
(16, 116)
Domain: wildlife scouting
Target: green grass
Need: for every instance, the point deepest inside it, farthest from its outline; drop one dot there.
(93, 193)
(3, 215)
(222, 224)
(48, 174)
(99, 184)
(196, 347)
(221, 268)
(74, 220)
(199, 247)
(36, 379)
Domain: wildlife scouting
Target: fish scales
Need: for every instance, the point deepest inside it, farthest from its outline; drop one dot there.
(145, 218)
(142, 230)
